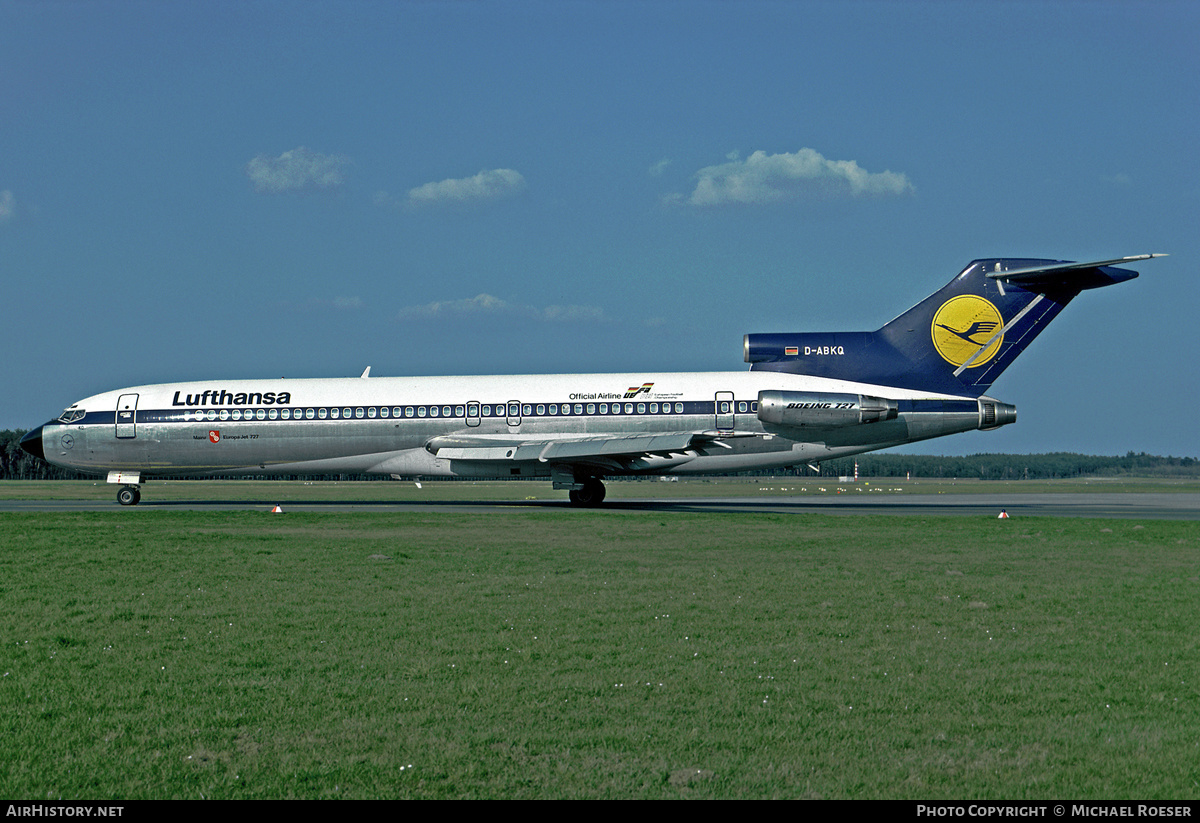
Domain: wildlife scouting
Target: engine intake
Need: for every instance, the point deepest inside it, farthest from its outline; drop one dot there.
(823, 410)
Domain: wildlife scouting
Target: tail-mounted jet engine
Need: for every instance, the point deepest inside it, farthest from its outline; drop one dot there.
(823, 410)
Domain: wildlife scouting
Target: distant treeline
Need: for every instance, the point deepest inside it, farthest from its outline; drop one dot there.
(15, 464)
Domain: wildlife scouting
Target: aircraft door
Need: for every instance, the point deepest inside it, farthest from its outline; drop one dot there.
(724, 409)
(514, 412)
(127, 416)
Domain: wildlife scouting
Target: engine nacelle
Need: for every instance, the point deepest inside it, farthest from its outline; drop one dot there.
(824, 410)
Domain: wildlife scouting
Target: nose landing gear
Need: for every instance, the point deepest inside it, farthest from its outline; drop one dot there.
(129, 495)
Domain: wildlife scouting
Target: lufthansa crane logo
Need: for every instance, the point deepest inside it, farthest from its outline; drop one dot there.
(963, 326)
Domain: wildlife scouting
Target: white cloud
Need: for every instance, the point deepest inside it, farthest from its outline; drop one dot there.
(774, 178)
(658, 168)
(487, 185)
(347, 302)
(296, 170)
(489, 304)
(8, 205)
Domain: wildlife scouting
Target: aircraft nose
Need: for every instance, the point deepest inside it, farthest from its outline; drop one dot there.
(32, 443)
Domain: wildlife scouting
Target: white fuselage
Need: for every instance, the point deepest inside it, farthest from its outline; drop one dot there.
(390, 426)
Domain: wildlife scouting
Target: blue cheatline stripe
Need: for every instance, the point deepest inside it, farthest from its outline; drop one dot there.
(300, 414)
(370, 414)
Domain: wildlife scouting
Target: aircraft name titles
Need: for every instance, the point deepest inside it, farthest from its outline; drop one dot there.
(222, 397)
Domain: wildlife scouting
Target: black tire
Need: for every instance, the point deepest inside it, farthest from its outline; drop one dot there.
(129, 495)
(591, 495)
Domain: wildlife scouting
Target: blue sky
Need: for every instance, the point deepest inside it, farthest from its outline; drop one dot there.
(219, 190)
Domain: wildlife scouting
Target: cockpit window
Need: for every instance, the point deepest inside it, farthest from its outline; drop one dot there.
(71, 415)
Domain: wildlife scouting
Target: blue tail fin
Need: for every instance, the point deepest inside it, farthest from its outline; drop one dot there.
(956, 341)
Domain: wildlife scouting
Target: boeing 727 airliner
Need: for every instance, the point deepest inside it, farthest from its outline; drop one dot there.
(807, 397)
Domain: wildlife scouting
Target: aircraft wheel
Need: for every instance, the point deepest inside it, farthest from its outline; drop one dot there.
(592, 494)
(129, 495)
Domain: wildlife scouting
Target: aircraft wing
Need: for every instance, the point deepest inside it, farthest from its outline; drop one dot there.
(575, 448)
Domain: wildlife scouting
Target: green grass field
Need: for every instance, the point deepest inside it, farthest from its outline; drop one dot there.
(597, 655)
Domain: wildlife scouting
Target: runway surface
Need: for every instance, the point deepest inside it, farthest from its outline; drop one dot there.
(1162, 506)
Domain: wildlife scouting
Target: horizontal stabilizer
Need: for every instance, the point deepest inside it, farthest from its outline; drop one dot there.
(1055, 272)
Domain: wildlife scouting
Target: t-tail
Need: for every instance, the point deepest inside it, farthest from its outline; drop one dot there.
(956, 341)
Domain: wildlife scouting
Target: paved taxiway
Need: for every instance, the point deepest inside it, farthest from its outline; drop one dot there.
(1160, 506)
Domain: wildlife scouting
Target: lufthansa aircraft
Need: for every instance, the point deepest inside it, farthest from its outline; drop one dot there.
(807, 397)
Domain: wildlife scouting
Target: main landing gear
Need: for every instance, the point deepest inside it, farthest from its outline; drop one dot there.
(592, 494)
(129, 495)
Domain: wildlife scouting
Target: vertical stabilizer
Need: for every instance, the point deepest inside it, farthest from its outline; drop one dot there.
(958, 340)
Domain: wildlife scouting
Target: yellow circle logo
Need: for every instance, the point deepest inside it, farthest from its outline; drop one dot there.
(963, 326)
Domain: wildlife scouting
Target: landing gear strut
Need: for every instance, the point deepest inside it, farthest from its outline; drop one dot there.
(592, 494)
(129, 495)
